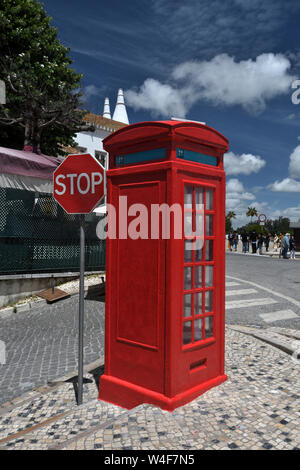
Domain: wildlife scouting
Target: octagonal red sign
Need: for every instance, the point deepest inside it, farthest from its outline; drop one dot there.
(78, 183)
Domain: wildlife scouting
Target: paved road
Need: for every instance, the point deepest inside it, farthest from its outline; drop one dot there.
(262, 291)
(42, 345)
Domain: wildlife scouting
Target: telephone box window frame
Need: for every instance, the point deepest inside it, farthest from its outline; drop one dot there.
(193, 263)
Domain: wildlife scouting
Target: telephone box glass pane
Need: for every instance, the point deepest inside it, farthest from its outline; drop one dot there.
(199, 251)
(199, 197)
(187, 305)
(209, 225)
(187, 279)
(198, 303)
(199, 225)
(208, 301)
(198, 329)
(188, 224)
(187, 332)
(209, 270)
(209, 250)
(209, 199)
(198, 277)
(209, 323)
(188, 251)
(138, 157)
(188, 197)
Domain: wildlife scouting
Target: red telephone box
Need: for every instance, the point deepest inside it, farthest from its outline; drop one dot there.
(165, 298)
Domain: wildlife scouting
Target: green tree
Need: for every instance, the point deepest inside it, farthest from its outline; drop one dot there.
(42, 90)
(231, 215)
(249, 228)
(251, 212)
(280, 225)
(228, 224)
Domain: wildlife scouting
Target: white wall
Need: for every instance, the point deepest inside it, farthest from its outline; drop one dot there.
(92, 141)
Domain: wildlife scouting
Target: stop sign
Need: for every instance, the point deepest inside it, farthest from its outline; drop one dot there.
(78, 183)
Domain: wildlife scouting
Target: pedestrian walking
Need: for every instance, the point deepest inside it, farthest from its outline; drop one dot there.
(292, 247)
(260, 242)
(267, 241)
(276, 242)
(230, 240)
(245, 242)
(235, 241)
(280, 244)
(253, 239)
(285, 245)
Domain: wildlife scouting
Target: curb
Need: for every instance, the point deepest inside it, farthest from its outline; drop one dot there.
(280, 338)
(49, 387)
(285, 341)
(270, 254)
(5, 312)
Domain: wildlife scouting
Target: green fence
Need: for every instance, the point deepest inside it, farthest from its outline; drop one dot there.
(36, 235)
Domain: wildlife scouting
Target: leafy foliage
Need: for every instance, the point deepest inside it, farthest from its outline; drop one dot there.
(43, 96)
(251, 212)
(249, 228)
(280, 225)
(228, 224)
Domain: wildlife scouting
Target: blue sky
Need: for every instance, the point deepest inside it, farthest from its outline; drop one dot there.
(229, 63)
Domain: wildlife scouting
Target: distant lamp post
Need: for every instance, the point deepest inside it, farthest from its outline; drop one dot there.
(2, 92)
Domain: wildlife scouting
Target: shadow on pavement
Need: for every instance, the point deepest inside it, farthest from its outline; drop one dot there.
(96, 292)
(96, 373)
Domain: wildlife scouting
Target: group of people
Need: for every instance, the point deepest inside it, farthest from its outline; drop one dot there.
(281, 243)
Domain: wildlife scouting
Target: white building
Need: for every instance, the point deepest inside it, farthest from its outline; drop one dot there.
(91, 141)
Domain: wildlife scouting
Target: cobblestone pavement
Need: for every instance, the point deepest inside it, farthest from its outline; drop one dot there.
(258, 407)
(42, 344)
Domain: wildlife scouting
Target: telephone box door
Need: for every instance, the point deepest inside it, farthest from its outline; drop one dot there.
(136, 271)
(201, 296)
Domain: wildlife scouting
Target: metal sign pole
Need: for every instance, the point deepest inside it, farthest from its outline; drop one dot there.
(81, 308)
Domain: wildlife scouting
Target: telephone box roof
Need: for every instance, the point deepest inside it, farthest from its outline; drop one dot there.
(190, 130)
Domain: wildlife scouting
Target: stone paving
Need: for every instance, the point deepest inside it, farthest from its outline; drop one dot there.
(258, 407)
(43, 344)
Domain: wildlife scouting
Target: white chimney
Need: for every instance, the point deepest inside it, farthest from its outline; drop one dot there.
(106, 111)
(120, 113)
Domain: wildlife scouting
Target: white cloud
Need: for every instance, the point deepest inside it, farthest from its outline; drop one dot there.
(294, 166)
(249, 83)
(257, 189)
(220, 81)
(158, 98)
(242, 164)
(91, 90)
(293, 213)
(288, 185)
(236, 195)
(238, 200)
(235, 187)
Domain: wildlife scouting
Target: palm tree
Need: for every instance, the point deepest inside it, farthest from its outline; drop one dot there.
(231, 215)
(251, 212)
